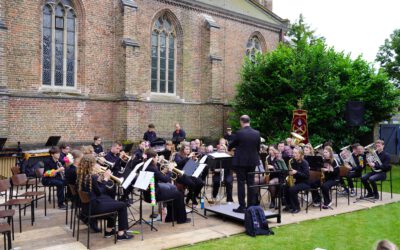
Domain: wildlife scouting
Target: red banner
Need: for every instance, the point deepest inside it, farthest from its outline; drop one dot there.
(299, 123)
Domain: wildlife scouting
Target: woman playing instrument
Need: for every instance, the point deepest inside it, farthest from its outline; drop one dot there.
(165, 190)
(193, 184)
(271, 166)
(96, 185)
(330, 177)
(300, 172)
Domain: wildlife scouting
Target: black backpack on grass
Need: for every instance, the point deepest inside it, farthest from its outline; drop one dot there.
(255, 222)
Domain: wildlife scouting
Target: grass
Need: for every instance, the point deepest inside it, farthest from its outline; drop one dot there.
(357, 230)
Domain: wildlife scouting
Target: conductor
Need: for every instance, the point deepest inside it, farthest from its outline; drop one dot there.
(247, 145)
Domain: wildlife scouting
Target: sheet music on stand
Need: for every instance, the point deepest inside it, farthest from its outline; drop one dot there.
(127, 182)
(146, 164)
(143, 181)
(199, 170)
(219, 155)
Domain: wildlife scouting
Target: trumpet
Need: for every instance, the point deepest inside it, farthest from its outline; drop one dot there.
(103, 161)
(101, 170)
(124, 157)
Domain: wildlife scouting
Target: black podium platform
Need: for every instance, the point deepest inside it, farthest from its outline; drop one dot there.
(226, 211)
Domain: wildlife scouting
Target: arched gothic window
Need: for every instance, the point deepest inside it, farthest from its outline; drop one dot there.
(253, 47)
(163, 56)
(59, 44)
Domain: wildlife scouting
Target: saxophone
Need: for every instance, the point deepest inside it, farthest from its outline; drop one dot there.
(290, 180)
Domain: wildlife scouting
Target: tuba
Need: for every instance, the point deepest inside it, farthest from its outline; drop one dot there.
(297, 138)
(373, 157)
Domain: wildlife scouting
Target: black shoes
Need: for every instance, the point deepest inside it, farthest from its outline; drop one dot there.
(376, 196)
(125, 236)
(287, 209)
(109, 234)
(240, 210)
(62, 207)
(370, 195)
(188, 220)
(295, 211)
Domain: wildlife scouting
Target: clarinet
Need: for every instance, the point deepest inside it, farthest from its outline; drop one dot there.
(59, 165)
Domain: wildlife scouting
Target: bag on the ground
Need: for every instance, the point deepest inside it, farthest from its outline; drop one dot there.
(255, 222)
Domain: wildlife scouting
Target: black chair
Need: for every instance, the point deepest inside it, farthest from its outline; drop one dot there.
(314, 176)
(390, 180)
(88, 217)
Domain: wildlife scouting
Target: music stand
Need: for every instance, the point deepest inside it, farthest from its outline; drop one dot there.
(218, 157)
(315, 162)
(52, 141)
(2, 143)
(142, 183)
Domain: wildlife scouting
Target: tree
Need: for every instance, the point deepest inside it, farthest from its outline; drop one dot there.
(322, 78)
(389, 57)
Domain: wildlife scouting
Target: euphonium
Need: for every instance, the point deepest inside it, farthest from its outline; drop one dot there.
(290, 178)
(373, 157)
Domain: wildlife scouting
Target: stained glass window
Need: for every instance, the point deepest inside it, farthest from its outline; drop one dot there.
(253, 47)
(59, 44)
(163, 56)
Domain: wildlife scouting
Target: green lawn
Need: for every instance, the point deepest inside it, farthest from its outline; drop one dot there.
(357, 230)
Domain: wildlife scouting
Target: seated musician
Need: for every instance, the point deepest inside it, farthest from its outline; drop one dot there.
(274, 178)
(71, 170)
(358, 155)
(139, 153)
(227, 173)
(53, 175)
(166, 191)
(378, 172)
(97, 145)
(308, 150)
(64, 150)
(330, 173)
(150, 135)
(179, 135)
(113, 157)
(193, 184)
(100, 202)
(300, 171)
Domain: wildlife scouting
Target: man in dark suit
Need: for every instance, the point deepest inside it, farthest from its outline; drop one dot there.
(247, 145)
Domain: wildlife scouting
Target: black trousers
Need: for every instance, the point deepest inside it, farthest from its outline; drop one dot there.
(193, 184)
(105, 204)
(372, 178)
(56, 182)
(325, 188)
(168, 192)
(291, 193)
(243, 178)
(228, 180)
(350, 177)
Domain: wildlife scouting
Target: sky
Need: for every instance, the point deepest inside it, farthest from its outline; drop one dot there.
(354, 26)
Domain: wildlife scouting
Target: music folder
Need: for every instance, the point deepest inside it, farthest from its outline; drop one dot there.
(143, 181)
(190, 167)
